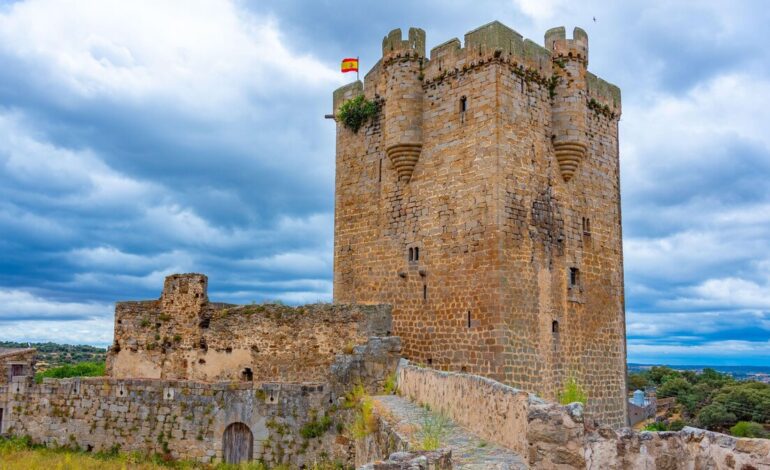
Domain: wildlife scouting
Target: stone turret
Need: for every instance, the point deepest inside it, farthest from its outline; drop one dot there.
(402, 62)
(568, 117)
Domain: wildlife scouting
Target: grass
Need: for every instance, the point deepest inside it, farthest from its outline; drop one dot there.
(81, 369)
(432, 431)
(20, 454)
(364, 421)
(572, 392)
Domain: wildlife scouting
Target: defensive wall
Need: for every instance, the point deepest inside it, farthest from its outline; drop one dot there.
(549, 436)
(184, 336)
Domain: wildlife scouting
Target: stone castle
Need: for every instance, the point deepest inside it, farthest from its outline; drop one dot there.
(483, 204)
(477, 234)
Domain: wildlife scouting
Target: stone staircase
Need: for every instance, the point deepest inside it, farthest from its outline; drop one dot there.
(406, 420)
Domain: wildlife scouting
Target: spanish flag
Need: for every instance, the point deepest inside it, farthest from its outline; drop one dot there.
(350, 65)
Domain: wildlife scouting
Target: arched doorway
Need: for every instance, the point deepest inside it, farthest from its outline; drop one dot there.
(237, 443)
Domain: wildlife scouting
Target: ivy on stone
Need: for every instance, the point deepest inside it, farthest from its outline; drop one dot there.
(355, 112)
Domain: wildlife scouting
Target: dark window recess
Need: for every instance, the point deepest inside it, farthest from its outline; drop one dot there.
(205, 322)
(379, 172)
(463, 104)
(469, 318)
(1, 420)
(411, 254)
(430, 361)
(247, 374)
(228, 350)
(555, 327)
(574, 277)
(416, 253)
(17, 370)
(463, 369)
(586, 226)
(201, 361)
(424, 292)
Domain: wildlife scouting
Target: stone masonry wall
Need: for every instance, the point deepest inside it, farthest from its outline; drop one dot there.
(183, 419)
(184, 336)
(24, 359)
(553, 436)
(500, 177)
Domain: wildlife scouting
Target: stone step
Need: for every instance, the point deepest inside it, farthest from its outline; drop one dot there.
(468, 450)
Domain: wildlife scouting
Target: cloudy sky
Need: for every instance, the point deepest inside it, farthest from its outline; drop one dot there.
(143, 138)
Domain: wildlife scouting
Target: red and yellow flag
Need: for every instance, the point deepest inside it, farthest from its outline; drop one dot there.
(349, 65)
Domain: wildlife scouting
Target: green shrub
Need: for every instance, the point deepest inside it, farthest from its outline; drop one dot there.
(748, 429)
(82, 369)
(390, 387)
(316, 427)
(356, 111)
(572, 392)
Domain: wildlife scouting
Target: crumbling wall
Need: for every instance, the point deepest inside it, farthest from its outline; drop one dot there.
(689, 448)
(22, 359)
(184, 336)
(181, 419)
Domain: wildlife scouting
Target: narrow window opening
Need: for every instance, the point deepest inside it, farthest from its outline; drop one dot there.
(430, 361)
(247, 375)
(1, 420)
(463, 104)
(411, 254)
(574, 277)
(424, 292)
(228, 350)
(469, 318)
(586, 226)
(555, 327)
(379, 172)
(416, 253)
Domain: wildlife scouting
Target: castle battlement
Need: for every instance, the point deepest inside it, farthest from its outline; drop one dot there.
(393, 45)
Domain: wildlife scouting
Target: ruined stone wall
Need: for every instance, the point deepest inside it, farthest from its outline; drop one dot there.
(182, 419)
(184, 336)
(499, 219)
(548, 435)
(23, 359)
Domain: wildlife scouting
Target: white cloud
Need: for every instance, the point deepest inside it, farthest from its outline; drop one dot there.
(198, 55)
(540, 9)
(93, 331)
(18, 304)
(735, 350)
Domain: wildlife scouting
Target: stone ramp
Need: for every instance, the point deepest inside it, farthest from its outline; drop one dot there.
(468, 450)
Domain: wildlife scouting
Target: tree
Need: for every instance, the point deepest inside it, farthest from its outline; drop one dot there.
(674, 387)
(748, 429)
(716, 417)
(637, 381)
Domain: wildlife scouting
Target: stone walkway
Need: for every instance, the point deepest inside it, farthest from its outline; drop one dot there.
(468, 450)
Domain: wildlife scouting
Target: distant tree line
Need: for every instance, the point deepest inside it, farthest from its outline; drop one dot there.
(710, 400)
(54, 354)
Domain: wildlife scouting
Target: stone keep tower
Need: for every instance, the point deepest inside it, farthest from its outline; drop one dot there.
(483, 203)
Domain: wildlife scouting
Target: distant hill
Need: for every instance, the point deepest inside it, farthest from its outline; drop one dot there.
(54, 354)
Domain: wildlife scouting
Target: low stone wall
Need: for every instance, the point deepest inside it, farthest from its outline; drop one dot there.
(549, 435)
(182, 419)
(689, 448)
(485, 407)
